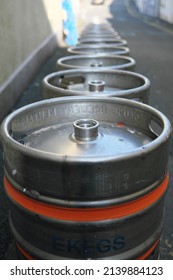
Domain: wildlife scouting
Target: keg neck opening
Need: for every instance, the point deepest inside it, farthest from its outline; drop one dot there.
(86, 129)
(96, 86)
(96, 64)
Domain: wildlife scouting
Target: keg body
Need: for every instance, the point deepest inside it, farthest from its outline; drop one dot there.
(105, 38)
(98, 41)
(99, 61)
(98, 28)
(72, 195)
(106, 49)
(109, 83)
(108, 239)
(100, 36)
(99, 33)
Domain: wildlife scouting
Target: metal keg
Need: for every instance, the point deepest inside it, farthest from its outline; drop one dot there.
(101, 34)
(99, 37)
(101, 61)
(105, 49)
(97, 41)
(108, 83)
(98, 27)
(93, 33)
(79, 175)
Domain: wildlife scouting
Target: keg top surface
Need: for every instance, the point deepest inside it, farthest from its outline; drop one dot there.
(112, 139)
(96, 42)
(91, 82)
(100, 35)
(65, 127)
(96, 61)
(82, 49)
(99, 38)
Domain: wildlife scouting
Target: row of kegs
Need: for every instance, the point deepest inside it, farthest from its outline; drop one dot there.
(86, 171)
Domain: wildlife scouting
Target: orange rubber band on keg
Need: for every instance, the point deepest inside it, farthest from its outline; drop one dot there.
(24, 253)
(86, 214)
(149, 252)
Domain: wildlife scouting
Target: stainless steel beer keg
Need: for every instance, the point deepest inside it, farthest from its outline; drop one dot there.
(99, 28)
(101, 34)
(96, 33)
(105, 49)
(99, 61)
(99, 37)
(85, 179)
(109, 83)
(97, 41)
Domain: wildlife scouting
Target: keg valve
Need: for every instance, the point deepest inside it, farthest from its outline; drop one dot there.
(96, 85)
(86, 129)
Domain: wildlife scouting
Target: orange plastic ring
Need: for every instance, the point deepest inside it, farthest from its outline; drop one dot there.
(146, 254)
(86, 214)
(25, 254)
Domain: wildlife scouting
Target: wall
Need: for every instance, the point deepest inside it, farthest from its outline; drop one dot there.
(148, 7)
(27, 38)
(156, 8)
(139, 4)
(166, 10)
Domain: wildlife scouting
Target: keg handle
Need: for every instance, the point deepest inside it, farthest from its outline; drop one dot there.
(86, 129)
(155, 127)
(96, 64)
(96, 85)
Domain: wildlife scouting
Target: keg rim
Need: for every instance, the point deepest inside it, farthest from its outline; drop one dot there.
(79, 49)
(97, 40)
(129, 61)
(100, 31)
(121, 93)
(95, 45)
(31, 152)
(99, 46)
(99, 35)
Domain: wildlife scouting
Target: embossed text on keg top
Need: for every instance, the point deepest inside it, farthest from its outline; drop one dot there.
(85, 110)
(129, 113)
